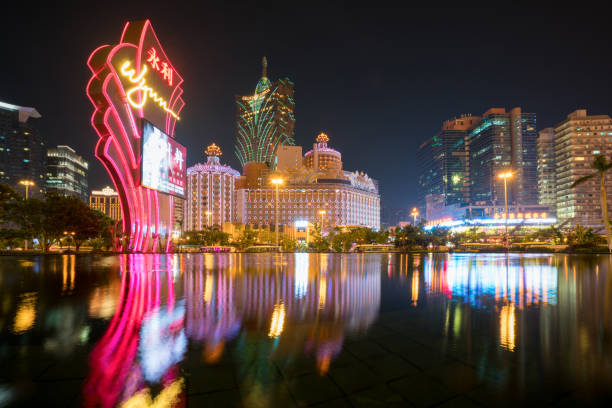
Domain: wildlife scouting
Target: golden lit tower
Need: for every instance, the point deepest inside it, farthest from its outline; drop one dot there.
(264, 120)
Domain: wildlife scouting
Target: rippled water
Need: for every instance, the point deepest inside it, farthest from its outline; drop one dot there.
(260, 330)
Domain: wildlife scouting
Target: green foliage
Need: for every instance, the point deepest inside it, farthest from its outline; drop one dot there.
(581, 237)
(246, 239)
(288, 244)
(343, 241)
(319, 243)
(207, 237)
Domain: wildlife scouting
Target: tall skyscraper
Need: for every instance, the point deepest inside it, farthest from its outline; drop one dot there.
(444, 163)
(22, 149)
(546, 169)
(578, 140)
(210, 193)
(67, 172)
(264, 120)
(503, 141)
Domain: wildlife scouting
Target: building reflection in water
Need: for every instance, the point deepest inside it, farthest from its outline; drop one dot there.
(285, 306)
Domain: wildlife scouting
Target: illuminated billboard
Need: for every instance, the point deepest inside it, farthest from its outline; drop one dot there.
(133, 83)
(163, 166)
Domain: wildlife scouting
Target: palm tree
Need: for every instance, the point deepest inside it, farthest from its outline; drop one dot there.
(600, 165)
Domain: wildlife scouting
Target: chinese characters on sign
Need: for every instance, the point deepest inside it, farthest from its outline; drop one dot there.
(163, 67)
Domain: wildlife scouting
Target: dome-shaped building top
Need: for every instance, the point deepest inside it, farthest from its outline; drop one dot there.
(322, 157)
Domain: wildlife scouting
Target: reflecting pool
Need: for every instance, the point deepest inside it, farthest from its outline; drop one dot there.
(258, 330)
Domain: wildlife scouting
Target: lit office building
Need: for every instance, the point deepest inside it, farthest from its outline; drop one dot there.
(210, 193)
(499, 142)
(22, 150)
(67, 172)
(578, 140)
(546, 169)
(264, 120)
(106, 201)
(319, 191)
(444, 162)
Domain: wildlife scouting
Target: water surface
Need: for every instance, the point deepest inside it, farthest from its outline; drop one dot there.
(259, 330)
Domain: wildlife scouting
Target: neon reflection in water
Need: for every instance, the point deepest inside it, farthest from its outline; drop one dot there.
(144, 341)
(285, 305)
(520, 281)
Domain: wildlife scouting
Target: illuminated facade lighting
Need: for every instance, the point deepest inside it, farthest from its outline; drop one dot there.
(264, 120)
(148, 218)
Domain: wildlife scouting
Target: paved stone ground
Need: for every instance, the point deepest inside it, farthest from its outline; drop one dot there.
(397, 363)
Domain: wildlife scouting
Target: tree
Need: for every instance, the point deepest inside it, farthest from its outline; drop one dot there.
(246, 239)
(600, 165)
(288, 244)
(319, 243)
(8, 199)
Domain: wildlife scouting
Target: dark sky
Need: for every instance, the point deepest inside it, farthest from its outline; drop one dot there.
(379, 81)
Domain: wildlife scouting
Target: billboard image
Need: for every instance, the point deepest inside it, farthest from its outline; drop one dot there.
(163, 162)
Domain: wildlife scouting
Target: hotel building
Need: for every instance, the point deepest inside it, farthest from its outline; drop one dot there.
(107, 202)
(210, 193)
(315, 189)
(67, 172)
(546, 169)
(578, 140)
(22, 150)
(264, 120)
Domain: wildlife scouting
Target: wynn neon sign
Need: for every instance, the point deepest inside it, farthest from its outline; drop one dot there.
(125, 76)
(141, 85)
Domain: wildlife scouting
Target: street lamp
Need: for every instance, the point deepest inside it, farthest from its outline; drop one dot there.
(277, 182)
(505, 176)
(70, 234)
(322, 214)
(208, 214)
(27, 184)
(414, 214)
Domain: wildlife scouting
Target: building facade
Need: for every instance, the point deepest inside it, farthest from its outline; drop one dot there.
(210, 193)
(546, 169)
(264, 120)
(106, 201)
(319, 191)
(67, 172)
(499, 142)
(578, 140)
(22, 150)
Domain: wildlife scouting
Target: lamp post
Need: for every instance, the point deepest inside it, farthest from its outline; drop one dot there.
(27, 184)
(70, 234)
(322, 214)
(208, 214)
(505, 176)
(414, 214)
(277, 182)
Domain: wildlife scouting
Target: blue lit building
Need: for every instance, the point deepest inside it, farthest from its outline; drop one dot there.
(503, 141)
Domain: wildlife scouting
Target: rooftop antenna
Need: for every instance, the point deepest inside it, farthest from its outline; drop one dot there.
(264, 67)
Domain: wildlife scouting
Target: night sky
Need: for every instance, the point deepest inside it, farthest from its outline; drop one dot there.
(379, 81)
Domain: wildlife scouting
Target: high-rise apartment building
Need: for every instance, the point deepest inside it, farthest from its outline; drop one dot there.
(499, 142)
(106, 201)
(210, 193)
(264, 120)
(67, 172)
(546, 169)
(578, 140)
(22, 149)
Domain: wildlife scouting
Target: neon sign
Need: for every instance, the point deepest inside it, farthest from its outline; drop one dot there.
(125, 76)
(163, 67)
(141, 85)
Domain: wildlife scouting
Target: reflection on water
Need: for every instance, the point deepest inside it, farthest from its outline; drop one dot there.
(143, 322)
